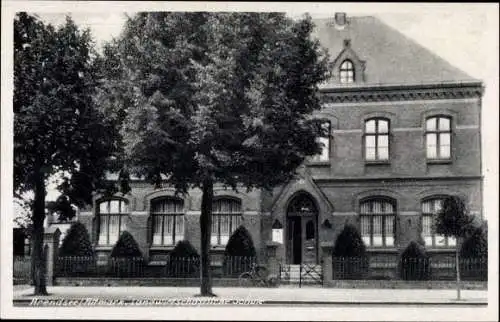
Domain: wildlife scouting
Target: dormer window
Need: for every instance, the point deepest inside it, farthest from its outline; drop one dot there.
(347, 72)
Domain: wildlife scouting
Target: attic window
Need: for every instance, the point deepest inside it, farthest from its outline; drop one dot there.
(346, 72)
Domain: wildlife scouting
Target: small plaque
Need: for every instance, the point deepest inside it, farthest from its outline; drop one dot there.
(278, 235)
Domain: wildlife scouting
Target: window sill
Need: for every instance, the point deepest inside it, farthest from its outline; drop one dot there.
(439, 161)
(325, 163)
(374, 249)
(218, 247)
(162, 247)
(443, 249)
(104, 247)
(375, 163)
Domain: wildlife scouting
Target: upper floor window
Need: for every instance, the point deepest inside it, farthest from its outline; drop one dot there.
(226, 217)
(438, 138)
(377, 140)
(324, 141)
(430, 208)
(111, 223)
(377, 222)
(346, 72)
(168, 221)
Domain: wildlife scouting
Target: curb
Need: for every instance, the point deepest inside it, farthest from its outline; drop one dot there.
(26, 302)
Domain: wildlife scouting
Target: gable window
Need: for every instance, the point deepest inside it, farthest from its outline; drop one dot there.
(377, 140)
(111, 223)
(226, 217)
(438, 138)
(346, 72)
(430, 208)
(324, 141)
(168, 221)
(377, 222)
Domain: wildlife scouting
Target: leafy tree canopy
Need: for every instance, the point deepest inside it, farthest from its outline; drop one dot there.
(225, 96)
(454, 218)
(57, 127)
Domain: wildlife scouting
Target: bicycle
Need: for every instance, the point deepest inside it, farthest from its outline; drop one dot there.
(256, 276)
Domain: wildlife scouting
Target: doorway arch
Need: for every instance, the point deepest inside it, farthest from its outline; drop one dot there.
(302, 229)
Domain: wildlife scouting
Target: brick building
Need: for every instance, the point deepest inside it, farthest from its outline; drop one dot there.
(404, 132)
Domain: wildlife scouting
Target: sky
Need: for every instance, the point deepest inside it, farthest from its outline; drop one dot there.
(466, 35)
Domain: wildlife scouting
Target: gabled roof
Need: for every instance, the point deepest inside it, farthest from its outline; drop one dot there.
(390, 56)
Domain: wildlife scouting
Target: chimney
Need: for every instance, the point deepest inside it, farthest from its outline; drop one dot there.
(340, 19)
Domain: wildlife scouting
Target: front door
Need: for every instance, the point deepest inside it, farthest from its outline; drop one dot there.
(309, 240)
(302, 239)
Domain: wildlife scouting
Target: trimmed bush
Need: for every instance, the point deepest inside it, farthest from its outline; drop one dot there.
(414, 263)
(76, 254)
(126, 246)
(126, 258)
(239, 254)
(183, 261)
(76, 242)
(474, 256)
(349, 255)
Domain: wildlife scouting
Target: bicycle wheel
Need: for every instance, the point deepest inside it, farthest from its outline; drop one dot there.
(246, 280)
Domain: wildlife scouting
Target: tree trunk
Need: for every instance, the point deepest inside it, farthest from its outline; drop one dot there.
(206, 228)
(37, 255)
(457, 265)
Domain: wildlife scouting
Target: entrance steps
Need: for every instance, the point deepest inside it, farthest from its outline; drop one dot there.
(301, 273)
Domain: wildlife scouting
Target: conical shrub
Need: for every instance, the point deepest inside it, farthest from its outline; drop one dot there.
(76, 242)
(349, 255)
(239, 253)
(183, 261)
(414, 262)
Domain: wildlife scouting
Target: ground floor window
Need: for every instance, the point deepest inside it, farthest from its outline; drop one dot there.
(377, 223)
(168, 221)
(430, 208)
(111, 220)
(226, 217)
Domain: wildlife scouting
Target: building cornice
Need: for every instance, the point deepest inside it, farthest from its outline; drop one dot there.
(393, 179)
(401, 92)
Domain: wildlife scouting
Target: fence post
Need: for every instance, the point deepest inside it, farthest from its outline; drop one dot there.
(51, 244)
(327, 262)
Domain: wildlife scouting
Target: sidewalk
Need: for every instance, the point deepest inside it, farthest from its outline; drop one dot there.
(266, 296)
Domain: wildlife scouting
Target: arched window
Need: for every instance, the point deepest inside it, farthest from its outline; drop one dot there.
(111, 223)
(324, 141)
(438, 138)
(430, 208)
(226, 217)
(346, 72)
(376, 139)
(377, 222)
(168, 221)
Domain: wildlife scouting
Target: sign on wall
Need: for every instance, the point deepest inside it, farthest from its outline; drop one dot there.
(277, 232)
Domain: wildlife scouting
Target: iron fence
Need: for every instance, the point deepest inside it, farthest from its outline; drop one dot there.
(439, 268)
(21, 269)
(173, 267)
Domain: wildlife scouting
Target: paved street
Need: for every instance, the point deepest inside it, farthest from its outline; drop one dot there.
(277, 296)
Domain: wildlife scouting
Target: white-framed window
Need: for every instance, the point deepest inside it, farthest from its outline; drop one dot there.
(438, 138)
(111, 220)
(226, 217)
(346, 72)
(324, 141)
(430, 208)
(168, 221)
(378, 218)
(376, 135)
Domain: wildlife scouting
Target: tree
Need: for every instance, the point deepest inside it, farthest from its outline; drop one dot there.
(454, 220)
(219, 98)
(57, 127)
